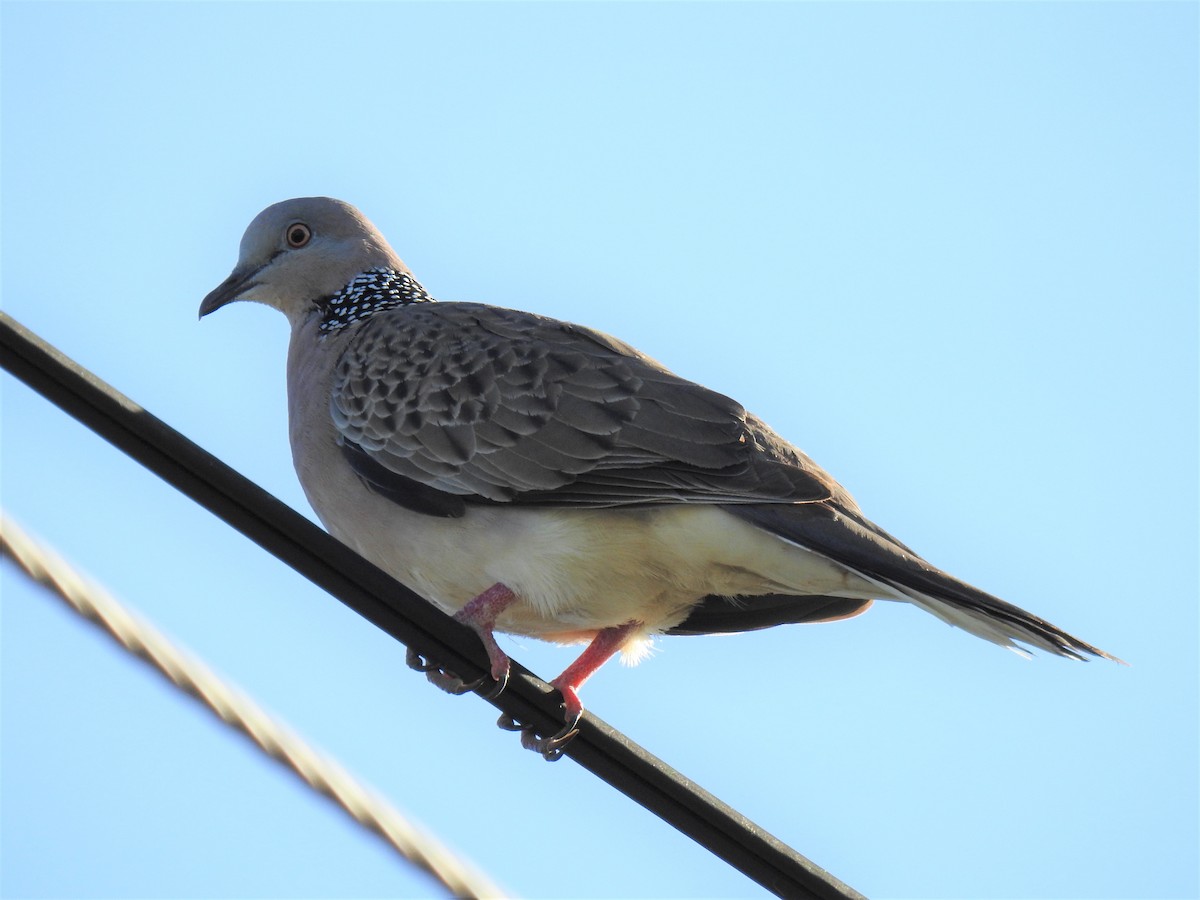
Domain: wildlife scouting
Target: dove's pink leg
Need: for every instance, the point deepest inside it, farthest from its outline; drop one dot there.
(602, 648)
(481, 615)
(606, 642)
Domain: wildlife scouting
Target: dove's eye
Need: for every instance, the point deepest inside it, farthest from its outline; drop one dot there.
(298, 234)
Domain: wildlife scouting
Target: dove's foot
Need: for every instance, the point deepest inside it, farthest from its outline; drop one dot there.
(551, 748)
(480, 615)
(451, 683)
(606, 643)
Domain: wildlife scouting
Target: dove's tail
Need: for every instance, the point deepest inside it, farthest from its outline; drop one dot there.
(993, 619)
(856, 543)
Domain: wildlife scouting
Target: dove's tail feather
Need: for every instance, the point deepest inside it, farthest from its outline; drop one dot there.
(851, 540)
(995, 620)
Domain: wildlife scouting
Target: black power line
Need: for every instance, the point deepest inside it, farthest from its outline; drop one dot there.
(390, 606)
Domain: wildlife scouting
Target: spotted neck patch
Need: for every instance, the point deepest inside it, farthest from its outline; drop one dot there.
(367, 293)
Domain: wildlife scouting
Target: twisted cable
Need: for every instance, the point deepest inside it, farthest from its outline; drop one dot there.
(238, 711)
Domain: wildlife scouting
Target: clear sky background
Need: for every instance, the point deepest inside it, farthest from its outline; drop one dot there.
(949, 249)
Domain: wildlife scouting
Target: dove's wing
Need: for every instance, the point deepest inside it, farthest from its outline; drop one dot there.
(447, 403)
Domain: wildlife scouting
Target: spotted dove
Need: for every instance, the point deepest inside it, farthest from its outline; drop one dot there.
(540, 478)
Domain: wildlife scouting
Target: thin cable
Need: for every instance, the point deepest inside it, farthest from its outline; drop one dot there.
(239, 712)
(409, 619)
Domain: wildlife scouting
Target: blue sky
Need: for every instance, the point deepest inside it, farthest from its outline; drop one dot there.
(949, 249)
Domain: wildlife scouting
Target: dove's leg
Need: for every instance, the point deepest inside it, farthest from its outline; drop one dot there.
(480, 615)
(604, 646)
(606, 643)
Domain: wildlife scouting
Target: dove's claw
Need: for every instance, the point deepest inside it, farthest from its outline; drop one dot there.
(416, 661)
(551, 748)
(453, 684)
(497, 688)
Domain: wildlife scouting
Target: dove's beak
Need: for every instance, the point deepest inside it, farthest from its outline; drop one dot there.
(229, 290)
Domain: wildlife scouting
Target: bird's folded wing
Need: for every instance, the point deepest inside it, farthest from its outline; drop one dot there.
(441, 404)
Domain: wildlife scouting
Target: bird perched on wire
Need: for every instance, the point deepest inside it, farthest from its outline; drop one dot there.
(537, 477)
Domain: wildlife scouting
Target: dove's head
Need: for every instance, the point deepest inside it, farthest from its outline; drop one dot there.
(299, 252)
